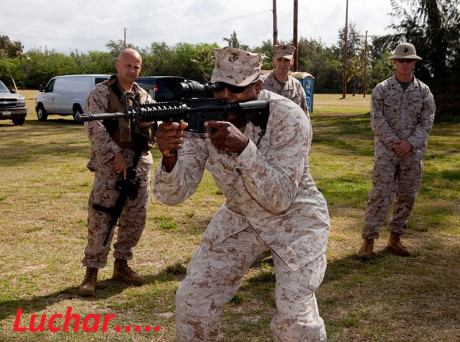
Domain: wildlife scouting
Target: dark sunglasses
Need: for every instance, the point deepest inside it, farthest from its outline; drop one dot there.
(220, 86)
(405, 60)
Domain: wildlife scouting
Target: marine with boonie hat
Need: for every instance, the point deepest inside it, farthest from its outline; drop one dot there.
(272, 203)
(405, 51)
(402, 115)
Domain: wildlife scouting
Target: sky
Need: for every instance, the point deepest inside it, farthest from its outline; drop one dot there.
(68, 25)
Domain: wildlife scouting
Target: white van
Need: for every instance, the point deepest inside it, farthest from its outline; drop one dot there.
(66, 95)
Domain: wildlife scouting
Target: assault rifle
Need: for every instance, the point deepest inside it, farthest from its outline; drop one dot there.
(193, 110)
(128, 187)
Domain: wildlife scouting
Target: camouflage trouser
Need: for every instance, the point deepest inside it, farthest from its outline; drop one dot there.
(131, 221)
(214, 275)
(392, 178)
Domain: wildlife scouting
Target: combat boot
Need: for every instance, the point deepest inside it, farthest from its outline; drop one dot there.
(121, 271)
(365, 252)
(88, 287)
(395, 245)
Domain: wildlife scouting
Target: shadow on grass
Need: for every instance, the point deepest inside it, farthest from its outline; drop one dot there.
(422, 290)
(104, 289)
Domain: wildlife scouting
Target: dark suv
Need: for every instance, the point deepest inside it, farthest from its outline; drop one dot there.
(160, 88)
(12, 105)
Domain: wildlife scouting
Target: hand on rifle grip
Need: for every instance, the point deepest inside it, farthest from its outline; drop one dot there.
(170, 137)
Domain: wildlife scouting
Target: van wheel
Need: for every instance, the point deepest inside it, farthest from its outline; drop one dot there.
(77, 111)
(42, 115)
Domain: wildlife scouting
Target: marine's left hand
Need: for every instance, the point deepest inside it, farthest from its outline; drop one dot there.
(225, 136)
(403, 148)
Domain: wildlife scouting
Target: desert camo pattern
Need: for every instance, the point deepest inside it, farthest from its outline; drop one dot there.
(397, 115)
(132, 219)
(292, 90)
(214, 275)
(270, 196)
(283, 51)
(236, 67)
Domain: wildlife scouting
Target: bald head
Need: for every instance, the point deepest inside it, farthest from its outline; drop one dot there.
(128, 65)
(129, 53)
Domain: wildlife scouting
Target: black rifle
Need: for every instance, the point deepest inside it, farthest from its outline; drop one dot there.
(194, 111)
(128, 187)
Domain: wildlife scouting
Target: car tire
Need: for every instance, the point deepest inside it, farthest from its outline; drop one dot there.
(42, 115)
(77, 111)
(18, 121)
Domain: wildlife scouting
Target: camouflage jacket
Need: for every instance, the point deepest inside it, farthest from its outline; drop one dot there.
(268, 187)
(103, 147)
(292, 90)
(398, 114)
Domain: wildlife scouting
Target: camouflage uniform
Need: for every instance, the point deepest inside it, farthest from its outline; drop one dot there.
(271, 203)
(103, 150)
(292, 90)
(397, 114)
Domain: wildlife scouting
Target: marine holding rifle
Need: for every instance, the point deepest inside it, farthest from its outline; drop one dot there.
(117, 149)
(272, 203)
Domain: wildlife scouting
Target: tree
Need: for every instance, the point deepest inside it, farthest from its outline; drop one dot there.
(233, 42)
(267, 50)
(205, 61)
(354, 72)
(9, 48)
(115, 47)
(433, 26)
(160, 59)
(355, 45)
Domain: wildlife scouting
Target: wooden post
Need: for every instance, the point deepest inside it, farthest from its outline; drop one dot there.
(345, 56)
(296, 53)
(275, 25)
(365, 66)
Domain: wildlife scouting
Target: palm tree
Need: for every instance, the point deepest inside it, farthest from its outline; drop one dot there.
(205, 61)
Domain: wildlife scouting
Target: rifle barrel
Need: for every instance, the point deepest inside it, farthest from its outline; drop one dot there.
(195, 112)
(100, 116)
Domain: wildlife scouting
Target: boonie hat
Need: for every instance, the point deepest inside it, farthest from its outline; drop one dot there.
(283, 51)
(405, 51)
(236, 67)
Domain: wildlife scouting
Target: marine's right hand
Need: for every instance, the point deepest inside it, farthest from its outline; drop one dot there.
(119, 164)
(170, 137)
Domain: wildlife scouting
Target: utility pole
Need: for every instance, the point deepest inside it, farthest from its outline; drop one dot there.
(275, 25)
(345, 56)
(296, 52)
(124, 39)
(365, 66)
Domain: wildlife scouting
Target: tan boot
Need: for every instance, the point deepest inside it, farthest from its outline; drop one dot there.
(88, 287)
(121, 271)
(395, 245)
(365, 252)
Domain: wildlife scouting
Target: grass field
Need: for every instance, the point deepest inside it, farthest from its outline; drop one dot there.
(45, 185)
(335, 104)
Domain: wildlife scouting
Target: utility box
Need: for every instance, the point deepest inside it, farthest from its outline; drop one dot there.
(308, 84)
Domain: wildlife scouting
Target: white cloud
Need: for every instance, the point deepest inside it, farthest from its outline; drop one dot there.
(65, 25)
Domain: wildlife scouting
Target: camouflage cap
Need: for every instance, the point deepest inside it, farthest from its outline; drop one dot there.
(283, 51)
(405, 51)
(236, 67)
